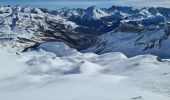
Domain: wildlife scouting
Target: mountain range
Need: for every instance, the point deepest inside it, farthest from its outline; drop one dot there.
(122, 29)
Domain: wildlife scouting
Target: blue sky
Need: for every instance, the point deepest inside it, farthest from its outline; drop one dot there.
(55, 4)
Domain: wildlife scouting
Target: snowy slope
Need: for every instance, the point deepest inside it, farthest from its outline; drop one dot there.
(56, 74)
(152, 42)
(48, 75)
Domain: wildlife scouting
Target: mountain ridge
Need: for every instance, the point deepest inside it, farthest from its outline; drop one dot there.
(23, 27)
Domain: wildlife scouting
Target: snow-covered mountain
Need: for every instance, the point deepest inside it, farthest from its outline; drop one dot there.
(154, 42)
(112, 18)
(21, 27)
(53, 66)
(125, 29)
(140, 31)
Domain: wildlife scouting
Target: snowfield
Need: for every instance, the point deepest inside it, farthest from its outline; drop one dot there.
(53, 71)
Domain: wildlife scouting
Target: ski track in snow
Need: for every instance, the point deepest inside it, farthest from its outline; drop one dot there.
(55, 71)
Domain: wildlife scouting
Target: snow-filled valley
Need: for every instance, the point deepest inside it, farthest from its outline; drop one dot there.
(55, 71)
(115, 53)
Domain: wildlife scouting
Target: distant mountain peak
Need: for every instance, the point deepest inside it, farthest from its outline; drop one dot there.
(94, 13)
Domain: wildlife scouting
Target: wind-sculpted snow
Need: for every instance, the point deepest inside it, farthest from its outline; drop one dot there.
(64, 73)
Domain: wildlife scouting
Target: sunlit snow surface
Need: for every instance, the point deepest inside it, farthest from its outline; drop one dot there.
(56, 72)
